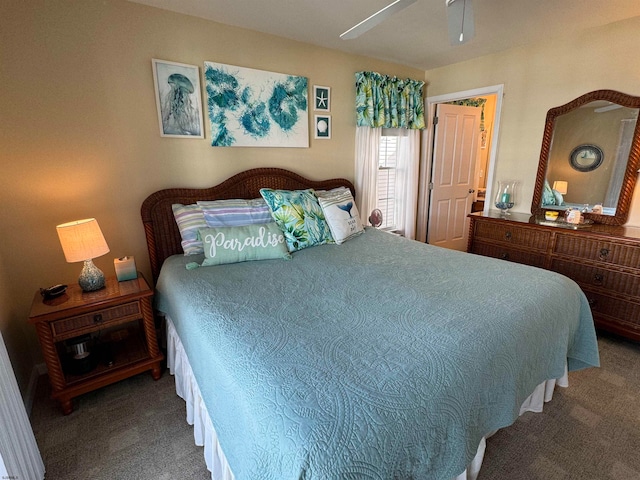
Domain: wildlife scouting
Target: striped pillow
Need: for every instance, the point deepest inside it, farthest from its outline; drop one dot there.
(235, 213)
(189, 219)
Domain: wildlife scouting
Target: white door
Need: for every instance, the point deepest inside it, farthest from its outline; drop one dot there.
(454, 161)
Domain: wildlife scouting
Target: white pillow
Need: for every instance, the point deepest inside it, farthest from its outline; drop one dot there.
(341, 214)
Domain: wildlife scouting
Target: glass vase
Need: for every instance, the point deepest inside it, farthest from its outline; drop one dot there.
(506, 196)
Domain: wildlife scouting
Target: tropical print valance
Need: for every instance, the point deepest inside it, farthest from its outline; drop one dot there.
(389, 102)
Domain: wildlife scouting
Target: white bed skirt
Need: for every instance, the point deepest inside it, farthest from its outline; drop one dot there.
(205, 435)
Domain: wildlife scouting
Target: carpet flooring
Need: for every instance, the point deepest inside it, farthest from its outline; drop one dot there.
(136, 429)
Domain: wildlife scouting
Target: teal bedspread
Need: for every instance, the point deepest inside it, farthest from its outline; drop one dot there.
(382, 358)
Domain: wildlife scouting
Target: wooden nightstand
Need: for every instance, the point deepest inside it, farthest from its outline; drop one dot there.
(115, 324)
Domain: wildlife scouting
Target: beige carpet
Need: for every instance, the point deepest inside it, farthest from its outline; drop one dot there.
(136, 429)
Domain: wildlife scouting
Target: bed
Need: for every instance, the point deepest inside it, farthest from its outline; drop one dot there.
(380, 358)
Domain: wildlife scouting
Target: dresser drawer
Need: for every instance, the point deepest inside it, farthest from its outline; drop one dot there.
(597, 277)
(73, 326)
(597, 250)
(510, 254)
(508, 233)
(614, 314)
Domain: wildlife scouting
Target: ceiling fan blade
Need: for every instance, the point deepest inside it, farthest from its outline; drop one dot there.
(460, 19)
(376, 19)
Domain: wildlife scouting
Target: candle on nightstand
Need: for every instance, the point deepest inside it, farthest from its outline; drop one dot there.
(125, 268)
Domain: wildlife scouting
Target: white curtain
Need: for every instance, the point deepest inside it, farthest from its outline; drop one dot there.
(407, 174)
(366, 182)
(19, 454)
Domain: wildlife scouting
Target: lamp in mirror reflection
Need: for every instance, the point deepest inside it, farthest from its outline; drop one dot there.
(561, 186)
(82, 241)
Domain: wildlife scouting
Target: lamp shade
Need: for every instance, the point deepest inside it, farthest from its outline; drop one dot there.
(82, 240)
(561, 186)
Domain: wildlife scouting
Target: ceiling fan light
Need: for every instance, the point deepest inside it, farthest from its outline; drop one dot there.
(460, 21)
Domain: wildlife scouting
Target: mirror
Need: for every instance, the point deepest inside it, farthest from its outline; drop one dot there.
(590, 157)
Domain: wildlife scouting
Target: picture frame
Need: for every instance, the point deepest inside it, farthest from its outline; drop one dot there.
(178, 99)
(268, 109)
(322, 127)
(321, 98)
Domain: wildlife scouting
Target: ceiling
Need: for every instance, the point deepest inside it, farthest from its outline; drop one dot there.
(416, 36)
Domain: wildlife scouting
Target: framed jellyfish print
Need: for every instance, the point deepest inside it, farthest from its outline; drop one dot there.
(178, 98)
(256, 108)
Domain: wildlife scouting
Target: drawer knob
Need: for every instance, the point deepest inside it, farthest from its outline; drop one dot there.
(507, 235)
(604, 253)
(97, 318)
(504, 256)
(592, 302)
(598, 279)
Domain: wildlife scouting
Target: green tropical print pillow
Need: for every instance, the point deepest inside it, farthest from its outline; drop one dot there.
(299, 215)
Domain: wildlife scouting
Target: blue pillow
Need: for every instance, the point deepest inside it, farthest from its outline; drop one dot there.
(548, 198)
(299, 215)
(559, 199)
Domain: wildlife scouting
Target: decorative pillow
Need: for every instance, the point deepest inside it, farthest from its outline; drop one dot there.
(189, 219)
(559, 199)
(341, 214)
(321, 193)
(548, 198)
(242, 244)
(236, 212)
(299, 215)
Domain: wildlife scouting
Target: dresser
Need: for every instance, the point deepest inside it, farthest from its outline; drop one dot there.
(604, 260)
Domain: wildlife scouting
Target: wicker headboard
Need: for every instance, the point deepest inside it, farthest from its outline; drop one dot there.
(163, 236)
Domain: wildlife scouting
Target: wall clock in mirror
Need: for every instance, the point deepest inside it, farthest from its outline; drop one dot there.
(586, 158)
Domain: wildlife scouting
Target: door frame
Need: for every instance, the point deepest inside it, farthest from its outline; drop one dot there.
(426, 156)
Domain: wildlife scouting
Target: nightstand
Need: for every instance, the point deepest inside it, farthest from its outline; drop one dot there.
(93, 339)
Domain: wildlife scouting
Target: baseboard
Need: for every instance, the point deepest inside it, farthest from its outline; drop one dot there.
(30, 394)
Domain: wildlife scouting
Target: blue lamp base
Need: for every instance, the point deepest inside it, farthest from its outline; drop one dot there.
(91, 277)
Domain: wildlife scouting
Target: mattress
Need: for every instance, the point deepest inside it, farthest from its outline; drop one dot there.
(379, 358)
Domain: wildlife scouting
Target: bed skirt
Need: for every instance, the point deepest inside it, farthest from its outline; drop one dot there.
(205, 435)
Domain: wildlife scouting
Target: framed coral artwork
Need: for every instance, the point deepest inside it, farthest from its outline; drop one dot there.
(178, 99)
(256, 108)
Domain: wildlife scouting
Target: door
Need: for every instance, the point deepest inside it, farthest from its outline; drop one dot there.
(452, 181)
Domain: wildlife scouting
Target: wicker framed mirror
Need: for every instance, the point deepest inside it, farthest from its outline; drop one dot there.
(605, 118)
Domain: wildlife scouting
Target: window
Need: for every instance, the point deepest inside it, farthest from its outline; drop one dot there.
(387, 163)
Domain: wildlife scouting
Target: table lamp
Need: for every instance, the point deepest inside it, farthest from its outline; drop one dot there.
(82, 241)
(561, 186)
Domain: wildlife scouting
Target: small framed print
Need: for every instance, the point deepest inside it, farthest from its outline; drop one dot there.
(322, 126)
(178, 99)
(321, 98)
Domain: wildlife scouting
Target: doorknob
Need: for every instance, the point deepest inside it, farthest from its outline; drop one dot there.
(471, 190)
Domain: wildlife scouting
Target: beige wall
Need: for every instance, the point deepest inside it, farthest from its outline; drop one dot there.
(80, 134)
(539, 77)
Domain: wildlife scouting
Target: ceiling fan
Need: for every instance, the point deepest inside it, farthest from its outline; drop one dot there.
(459, 15)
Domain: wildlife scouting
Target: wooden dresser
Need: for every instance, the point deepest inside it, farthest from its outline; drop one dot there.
(604, 260)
